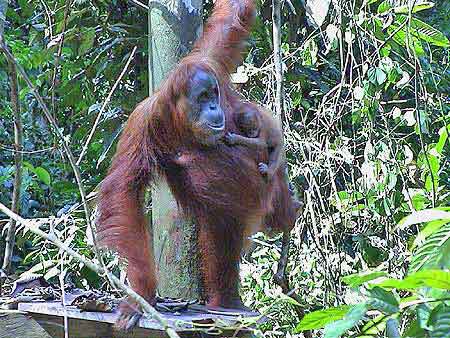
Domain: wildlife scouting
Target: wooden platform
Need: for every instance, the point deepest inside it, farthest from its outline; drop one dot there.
(50, 317)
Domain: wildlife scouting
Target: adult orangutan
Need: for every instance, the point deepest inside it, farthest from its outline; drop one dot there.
(178, 134)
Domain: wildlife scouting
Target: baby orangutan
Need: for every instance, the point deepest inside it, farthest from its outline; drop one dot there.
(259, 131)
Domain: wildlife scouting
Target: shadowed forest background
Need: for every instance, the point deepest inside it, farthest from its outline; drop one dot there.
(366, 126)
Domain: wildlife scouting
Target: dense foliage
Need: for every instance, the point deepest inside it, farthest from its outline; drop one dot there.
(367, 124)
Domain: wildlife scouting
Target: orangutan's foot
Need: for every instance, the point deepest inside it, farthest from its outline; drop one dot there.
(231, 307)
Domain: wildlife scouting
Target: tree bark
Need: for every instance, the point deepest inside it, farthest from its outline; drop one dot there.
(18, 135)
(173, 27)
(3, 7)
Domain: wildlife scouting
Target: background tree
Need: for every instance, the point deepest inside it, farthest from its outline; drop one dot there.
(173, 27)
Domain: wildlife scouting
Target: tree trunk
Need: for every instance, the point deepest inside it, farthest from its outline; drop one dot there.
(3, 7)
(173, 27)
(14, 96)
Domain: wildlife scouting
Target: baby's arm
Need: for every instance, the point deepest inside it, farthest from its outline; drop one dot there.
(252, 142)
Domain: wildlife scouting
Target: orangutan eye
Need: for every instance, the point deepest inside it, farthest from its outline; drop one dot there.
(204, 95)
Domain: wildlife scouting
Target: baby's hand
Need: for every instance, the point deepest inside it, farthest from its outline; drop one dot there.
(230, 138)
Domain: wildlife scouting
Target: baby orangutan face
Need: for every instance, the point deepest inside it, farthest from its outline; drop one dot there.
(249, 123)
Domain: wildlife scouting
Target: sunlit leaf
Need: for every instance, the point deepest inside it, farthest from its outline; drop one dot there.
(338, 328)
(43, 175)
(361, 278)
(423, 216)
(318, 319)
(427, 278)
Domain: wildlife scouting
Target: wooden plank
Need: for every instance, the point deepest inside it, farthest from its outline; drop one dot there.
(84, 324)
(79, 328)
(15, 324)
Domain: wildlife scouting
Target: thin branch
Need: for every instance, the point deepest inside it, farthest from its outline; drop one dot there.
(108, 98)
(58, 55)
(26, 151)
(280, 277)
(276, 31)
(147, 308)
(140, 4)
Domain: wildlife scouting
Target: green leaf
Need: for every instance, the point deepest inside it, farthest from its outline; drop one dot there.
(431, 253)
(423, 216)
(428, 230)
(427, 278)
(358, 279)
(440, 321)
(425, 32)
(383, 300)
(381, 76)
(443, 136)
(403, 7)
(423, 313)
(414, 330)
(376, 76)
(338, 328)
(374, 327)
(384, 7)
(43, 175)
(318, 319)
(419, 6)
(87, 40)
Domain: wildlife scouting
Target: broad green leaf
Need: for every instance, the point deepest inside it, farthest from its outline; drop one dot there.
(440, 321)
(43, 175)
(428, 230)
(419, 6)
(29, 166)
(357, 279)
(404, 7)
(318, 319)
(431, 253)
(425, 32)
(423, 216)
(443, 136)
(427, 278)
(383, 300)
(384, 7)
(338, 328)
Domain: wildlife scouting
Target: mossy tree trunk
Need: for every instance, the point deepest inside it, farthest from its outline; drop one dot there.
(173, 27)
